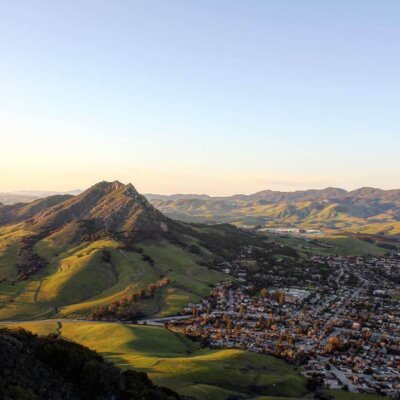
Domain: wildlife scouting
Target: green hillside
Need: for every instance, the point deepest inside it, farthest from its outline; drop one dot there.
(337, 244)
(77, 279)
(51, 368)
(174, 361)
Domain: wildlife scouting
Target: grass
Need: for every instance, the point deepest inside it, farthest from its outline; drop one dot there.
(351, 246)
(76, 278)
(338, 394)
(342, 244)
(209, 392)
(10, 238)
(189, 280)
(343, 395)
(174, 361)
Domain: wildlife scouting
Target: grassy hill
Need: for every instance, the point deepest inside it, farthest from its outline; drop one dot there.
(51, 368)
(174, 361)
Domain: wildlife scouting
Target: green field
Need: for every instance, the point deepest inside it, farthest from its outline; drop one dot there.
(342, 395)
(338, 394)
(174, 361)
(337, 244)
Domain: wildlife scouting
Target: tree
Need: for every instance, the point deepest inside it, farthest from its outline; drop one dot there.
(229, 326)
(281, 297)
(106, 256)
(151, 288)
(194, 249)
(333, 344)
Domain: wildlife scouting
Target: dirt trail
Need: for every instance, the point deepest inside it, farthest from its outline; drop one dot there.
(59, 327)
(35, 297)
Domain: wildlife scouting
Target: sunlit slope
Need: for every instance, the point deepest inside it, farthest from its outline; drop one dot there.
(77, 279)
(174, 361)
(366, 209)
(188, 279)
(342, 245)
(10, 240)
(299, 214)
(17, 298)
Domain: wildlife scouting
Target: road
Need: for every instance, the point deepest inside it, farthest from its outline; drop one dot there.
(342, 378)
(150, 321)
(230, 301)
(339, 375)
(162, 321)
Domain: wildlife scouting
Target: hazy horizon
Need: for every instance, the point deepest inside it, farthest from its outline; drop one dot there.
(200, 97)
(79, 190)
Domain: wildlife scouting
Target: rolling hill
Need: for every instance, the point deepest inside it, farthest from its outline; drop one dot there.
(106, 251)
(366, 210)
(51, 368)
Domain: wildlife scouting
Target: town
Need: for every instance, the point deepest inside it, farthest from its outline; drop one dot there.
(340, 322)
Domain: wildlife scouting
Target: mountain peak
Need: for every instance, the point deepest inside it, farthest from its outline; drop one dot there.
(108, 186)
(107, 206)
(115, 186)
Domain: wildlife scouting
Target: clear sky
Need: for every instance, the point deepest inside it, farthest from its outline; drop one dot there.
(218, 96)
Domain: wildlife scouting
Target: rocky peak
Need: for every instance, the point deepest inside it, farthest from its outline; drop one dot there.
(110, 206)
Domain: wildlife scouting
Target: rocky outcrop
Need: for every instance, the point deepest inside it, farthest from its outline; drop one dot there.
(110, 207)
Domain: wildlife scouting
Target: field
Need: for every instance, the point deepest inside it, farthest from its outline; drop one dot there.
(337, 244)
(342, 395)
(338, 394)
(174, 361)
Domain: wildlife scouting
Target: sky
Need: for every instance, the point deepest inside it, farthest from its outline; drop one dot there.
(199, 96)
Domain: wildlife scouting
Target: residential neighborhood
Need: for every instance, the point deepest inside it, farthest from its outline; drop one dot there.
(342, 327)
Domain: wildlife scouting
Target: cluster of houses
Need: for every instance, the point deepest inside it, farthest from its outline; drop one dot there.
(344, 329)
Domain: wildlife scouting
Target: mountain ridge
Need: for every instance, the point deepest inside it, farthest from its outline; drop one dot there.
(364, 209)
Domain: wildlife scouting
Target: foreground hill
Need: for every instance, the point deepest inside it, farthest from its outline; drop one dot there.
(365, 210)
(50, 368)
(172, 360)
(106, 252)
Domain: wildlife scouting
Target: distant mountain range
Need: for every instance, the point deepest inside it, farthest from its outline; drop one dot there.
(25, 196)
(367, 210)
